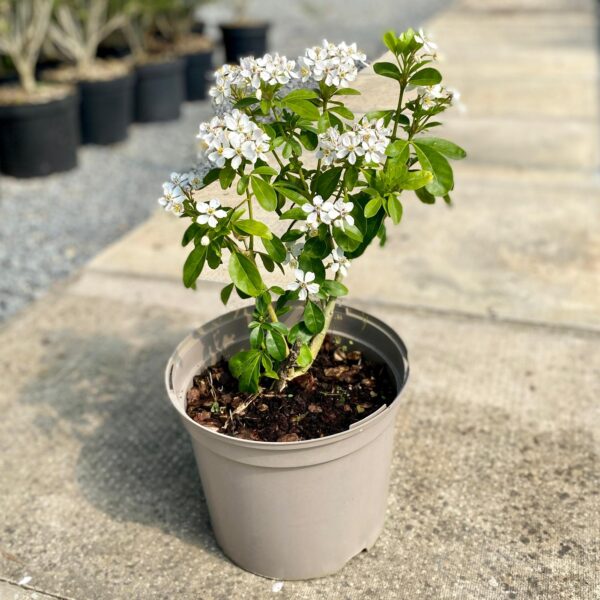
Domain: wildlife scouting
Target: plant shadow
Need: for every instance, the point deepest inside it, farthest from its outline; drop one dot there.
(135, 463)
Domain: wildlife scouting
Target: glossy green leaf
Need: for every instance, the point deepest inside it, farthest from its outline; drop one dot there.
(334, 288)
(226, 293)
(193, 265)
(372, 207)
(276, 250)
(445, 147)
(313, 317)
(387, 69)
(426, 77)
(276, 346)
(245, 275)
(253, 227)
(265, 193)
(394, 209)
(327, 181)
(303, 108)
(304, 356)
(245, 367)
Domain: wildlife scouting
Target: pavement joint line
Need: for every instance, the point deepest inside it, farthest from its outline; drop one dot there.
(29, 588)
(412, 308)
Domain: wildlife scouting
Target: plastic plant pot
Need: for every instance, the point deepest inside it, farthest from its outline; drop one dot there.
(293, 510)
(244, 40)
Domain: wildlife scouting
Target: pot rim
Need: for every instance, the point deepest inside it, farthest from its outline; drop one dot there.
(355, 428)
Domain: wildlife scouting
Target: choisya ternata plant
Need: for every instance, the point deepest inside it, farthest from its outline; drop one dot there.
(331, 212)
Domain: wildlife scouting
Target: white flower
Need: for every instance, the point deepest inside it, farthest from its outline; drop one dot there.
(304, 283)
(428, 48)
(351, 147)
(238, 122)
(431, 95)
(293, 252)
(318, 212)
(172, 198)
(339, 262)
(205, 240)
(335, 65)
(342, 211)
(210, 212)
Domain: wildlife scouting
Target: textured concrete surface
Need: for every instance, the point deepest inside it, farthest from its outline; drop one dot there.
(495, 489)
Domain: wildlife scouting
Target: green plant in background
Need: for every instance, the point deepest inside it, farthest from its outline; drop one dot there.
(327, 215)
(23, 28)
(140, 28)
(176, 23)
(79, 26)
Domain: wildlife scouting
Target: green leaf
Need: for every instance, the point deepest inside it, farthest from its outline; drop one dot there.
(304, 356)
(299, 332)
(313, 317)
(387, 69)
(424, 196)
(394, 208)
(264, 170)
(292, 193)
(292, 235)
(445, 147)
(431, 160)
(253, 227)
(275, 249)
(303, 94)
(346, 242)
(276, 346)
(226, 177)
(242, 185)
(296, 214)
(343, 112)
(211, 176)
(372, 207)
(428, 76)
(245, 367)
(265, 193)
(189, 234)
(327, 181)
(226, 293)
(350, 177)
(193, 265)
(303, 108)
(389, 39)
(347, 92)
(416, 179)
(334, 288)
(245, 275)
(396, 148)
(316, 248)
(245, 102)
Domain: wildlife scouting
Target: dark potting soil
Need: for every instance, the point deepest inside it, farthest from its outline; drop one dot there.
(341, 387)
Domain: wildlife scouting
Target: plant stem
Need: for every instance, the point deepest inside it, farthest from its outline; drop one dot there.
(250, 214)
(398, 111)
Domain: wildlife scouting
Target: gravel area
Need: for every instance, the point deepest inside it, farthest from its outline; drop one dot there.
(51, 226)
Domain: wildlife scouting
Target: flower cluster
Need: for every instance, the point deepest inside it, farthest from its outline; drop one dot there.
(431, 96)
(335, 65)
(246, 79)
(368, 138)
(180, 185)
(233, 136)
(328, 213)
(428, 48)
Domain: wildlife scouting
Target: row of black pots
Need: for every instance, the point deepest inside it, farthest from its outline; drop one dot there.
(39, 139)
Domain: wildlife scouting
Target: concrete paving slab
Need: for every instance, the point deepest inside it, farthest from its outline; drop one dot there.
(493, 493)
(10, 591)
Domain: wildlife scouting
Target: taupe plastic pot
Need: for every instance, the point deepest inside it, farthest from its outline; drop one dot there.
(293, 510)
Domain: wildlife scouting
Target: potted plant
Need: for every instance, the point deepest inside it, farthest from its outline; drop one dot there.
(105, 86)
(160, 83)
(175, 27)
(39, 130)
(243, 36)
(290, 402)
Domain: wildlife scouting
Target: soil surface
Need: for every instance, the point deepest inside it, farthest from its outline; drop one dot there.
(99, 70)
(14, 94)
(341, 387)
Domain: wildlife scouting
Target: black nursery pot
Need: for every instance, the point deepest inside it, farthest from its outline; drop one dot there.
(159, 91)
(106, 110)
(198, 65)
(39, 139)
(244, 40)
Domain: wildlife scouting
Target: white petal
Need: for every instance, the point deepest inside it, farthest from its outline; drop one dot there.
(202, 207)
(303, 293)
(299, 274)
(203, 219)
(220, 214)
(214, 203)
(293, 286)
(309, 276)
(313, 288)
(212, 222)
